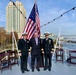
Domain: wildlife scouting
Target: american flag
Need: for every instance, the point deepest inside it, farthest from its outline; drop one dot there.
(33, 23)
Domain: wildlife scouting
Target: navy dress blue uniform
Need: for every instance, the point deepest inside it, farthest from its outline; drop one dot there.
(24, 46)
(47, 46)
(35, 52)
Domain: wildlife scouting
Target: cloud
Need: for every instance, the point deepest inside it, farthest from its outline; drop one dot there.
(67, 0)
(0, 4)
(66, 22)
(52, 14)
(2, 16)
(2, 13)
(73, 16)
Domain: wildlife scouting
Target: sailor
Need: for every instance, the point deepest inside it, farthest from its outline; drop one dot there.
(23, 45)
(48, 45)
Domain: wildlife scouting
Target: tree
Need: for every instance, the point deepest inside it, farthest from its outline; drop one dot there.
(6, 38)
(2, 35)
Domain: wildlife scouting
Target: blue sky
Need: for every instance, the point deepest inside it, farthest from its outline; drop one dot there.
(48, 10)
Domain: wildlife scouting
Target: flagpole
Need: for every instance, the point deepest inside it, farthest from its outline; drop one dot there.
(35, 13)
(34, 1)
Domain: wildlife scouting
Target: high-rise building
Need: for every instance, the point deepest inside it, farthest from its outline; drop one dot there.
(14, 19)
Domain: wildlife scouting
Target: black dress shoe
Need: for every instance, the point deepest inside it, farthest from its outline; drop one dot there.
(32, 70)
(38, 69)
(45, 69)
(49, 69)
(23, 71)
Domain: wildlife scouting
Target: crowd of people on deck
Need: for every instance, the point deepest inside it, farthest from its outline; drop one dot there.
(41, 52)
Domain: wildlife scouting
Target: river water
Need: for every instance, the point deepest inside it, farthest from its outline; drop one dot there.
(66, 47)
(69, 46)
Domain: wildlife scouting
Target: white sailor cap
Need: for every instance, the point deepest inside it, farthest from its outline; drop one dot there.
(46, 33)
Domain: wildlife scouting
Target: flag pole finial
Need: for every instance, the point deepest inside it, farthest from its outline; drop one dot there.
(35, 1)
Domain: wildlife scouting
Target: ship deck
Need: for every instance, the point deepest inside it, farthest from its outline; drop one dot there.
(58, 68)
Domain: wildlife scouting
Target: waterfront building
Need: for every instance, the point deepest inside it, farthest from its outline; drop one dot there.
(14, 19)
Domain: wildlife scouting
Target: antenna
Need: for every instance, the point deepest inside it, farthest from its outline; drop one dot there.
(59, 37)
(14, 42)
(57, 41)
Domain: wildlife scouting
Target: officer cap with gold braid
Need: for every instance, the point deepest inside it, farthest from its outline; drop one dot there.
(24, 34)
(46, 33)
